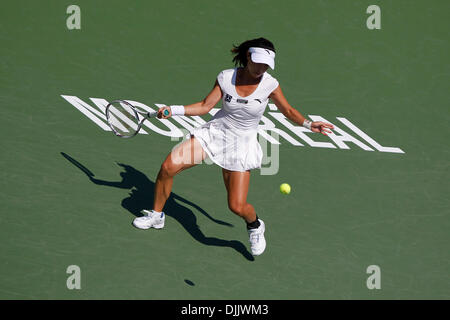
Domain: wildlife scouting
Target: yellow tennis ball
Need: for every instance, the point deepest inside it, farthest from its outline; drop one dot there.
(285, 188)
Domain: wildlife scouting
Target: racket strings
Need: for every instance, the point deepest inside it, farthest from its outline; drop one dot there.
(123, 120)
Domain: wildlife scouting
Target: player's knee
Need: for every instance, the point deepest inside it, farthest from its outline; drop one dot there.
(237, 207)
(168, 169)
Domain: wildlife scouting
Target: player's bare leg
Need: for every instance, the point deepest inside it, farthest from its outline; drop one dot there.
(185, 155)
(237, 184)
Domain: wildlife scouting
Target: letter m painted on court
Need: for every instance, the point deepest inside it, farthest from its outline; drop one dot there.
(98, 117)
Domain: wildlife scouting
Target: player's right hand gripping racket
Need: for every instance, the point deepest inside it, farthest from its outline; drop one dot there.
(125, 119)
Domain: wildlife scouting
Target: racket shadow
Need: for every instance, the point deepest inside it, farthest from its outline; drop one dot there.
(141, 197)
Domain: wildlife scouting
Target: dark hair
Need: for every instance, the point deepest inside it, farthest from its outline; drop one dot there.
(240, 51)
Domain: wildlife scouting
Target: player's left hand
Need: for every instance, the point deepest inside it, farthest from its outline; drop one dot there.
(322, 127)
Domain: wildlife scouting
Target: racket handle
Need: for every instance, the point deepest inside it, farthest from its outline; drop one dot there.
(153, 114)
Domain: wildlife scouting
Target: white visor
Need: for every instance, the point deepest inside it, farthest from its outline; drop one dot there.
(261, 55)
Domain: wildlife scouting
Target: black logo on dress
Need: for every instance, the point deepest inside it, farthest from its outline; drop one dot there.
(242, 101)
(228, 97)
(258, 100)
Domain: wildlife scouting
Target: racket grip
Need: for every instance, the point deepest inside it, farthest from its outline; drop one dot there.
(166, 112)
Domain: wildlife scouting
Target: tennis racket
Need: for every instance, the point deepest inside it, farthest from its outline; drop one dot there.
(125, 120)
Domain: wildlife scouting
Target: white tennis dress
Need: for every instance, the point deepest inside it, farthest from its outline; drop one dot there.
(230, 137)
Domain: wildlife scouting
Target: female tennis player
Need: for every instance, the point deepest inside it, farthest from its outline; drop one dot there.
(229, 139)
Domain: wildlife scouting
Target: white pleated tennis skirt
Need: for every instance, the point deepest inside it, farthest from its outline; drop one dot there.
(228, 147)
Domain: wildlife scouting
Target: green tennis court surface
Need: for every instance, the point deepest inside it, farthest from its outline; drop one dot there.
(70, 190)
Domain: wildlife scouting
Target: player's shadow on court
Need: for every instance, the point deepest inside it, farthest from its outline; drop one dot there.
(141, 197)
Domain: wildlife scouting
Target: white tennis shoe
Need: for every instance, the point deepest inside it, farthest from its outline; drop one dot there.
(257, 240)
(150, 219)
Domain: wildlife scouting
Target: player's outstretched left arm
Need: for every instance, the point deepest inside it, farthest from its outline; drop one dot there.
(292, 114)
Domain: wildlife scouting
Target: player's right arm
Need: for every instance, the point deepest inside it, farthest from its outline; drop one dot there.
(199, 108)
